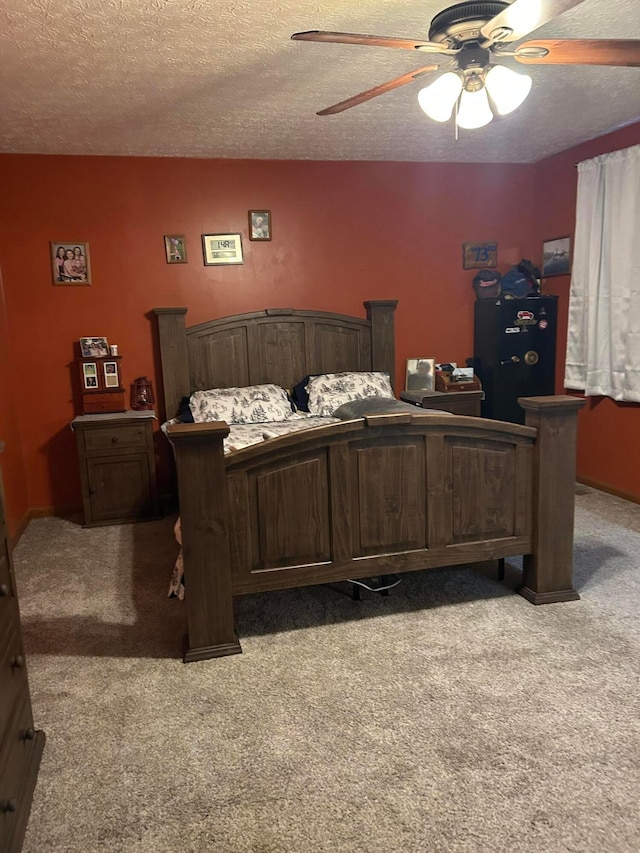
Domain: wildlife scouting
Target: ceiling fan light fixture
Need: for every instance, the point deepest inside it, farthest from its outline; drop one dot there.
(474, 110)
(507, 88)
(438, 99)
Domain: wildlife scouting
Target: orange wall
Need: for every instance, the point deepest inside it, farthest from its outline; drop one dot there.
(11, 461)
(342, 233)
(608, 453)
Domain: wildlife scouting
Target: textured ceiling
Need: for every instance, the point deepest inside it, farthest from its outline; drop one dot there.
(221, 78)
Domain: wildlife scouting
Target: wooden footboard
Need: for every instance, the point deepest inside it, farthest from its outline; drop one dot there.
(389, 493)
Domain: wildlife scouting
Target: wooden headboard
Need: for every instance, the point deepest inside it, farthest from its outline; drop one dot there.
(279, 345)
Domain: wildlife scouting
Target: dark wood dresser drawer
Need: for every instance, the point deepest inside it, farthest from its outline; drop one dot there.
(20, 757)
(6, 582)
(13, 670)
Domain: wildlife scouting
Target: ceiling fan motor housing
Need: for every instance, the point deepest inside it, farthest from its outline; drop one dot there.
(462, 23)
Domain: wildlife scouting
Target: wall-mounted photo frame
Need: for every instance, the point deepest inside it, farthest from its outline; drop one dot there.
(70, 263)
(175, 248)
(222, 249)
(420, 375)
(556, 257)
(90, 374)
(259, 224)
(479, 255)
(94, 347)
(111, 378)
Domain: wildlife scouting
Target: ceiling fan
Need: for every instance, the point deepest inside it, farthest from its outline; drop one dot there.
(469, 36)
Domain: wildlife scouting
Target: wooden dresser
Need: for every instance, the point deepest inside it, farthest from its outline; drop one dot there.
(20, 744)
(117, 467)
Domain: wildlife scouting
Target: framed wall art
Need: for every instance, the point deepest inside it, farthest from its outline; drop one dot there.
(70, 263)
(556, 257)
(259, 224)
(479, 255)
(94, 347)
(175, 248)
(222, 249)
(420, 375)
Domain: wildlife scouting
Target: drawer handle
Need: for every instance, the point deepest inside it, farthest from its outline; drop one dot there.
(114, 439)
(4, 590)
(7, 806)
(17, 662)
(29, 734)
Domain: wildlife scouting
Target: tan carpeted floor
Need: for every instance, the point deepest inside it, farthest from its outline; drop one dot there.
(450, 716)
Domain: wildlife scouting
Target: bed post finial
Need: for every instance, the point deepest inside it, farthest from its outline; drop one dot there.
(380, 313)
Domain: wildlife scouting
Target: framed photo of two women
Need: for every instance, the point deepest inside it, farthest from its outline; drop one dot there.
(70, 263)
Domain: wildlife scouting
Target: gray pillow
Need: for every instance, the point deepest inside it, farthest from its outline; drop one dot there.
(375, 406)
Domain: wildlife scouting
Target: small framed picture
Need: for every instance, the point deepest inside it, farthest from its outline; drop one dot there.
(556, 257)
(111, 374)
(70, 263)
(421, 374)
(175, 248)
(259, 224)
(90, 374)
(94, 347)
(479, 255)
(222, 249)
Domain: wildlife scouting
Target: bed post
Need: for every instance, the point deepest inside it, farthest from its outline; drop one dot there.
(548, 571)
(205, 536)
(380, 313)
(173, 357)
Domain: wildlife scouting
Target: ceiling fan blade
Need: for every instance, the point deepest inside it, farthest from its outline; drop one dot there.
(378, 90)
(374, 41)
(523, 16)
(619, 52)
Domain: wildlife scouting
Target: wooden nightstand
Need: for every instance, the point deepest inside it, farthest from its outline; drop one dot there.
(458, 403)
(117, 467)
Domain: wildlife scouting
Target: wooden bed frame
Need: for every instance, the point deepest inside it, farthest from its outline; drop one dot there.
(361, 498)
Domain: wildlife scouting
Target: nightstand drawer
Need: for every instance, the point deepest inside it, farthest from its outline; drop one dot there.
(108, 438)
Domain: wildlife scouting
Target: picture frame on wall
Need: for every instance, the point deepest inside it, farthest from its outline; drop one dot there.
(420, 374)
(556, 257)
(94, 347)
(70, 264)
(221, 249)
(175, 248)
(259, 224)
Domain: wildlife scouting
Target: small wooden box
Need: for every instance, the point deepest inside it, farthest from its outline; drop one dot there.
(445, 382)
(101, 385)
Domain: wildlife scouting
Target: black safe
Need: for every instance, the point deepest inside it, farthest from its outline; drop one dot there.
(514, 352)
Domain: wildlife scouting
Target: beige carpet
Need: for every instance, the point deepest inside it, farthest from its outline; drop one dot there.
(450, 716)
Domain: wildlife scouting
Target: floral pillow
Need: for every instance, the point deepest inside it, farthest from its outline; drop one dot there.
(330, 390)
(253, 404)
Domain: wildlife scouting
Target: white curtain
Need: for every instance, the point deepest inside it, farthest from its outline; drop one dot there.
(603, 342)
